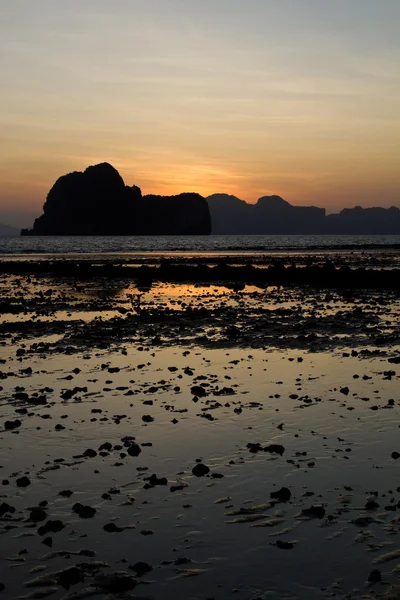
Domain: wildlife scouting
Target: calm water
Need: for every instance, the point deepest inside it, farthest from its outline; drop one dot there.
(192, 244)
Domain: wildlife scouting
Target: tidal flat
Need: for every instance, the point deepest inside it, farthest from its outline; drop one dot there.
(180, 440)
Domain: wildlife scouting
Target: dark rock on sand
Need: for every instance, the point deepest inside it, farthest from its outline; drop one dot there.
(37, 515)
(90, 453)
(48, 542)
(153, 480)
(23, 481)
(254, 447)
(68, 577)
(106, 446)
(85, 512)
(316, 512)
(112, 528)
(134, 450)
(10, 425)
(147, 419)
(6, 508)
(200, 470)
(371, 505)
(198, 390)
(284, 545)
(375, 576)
(141, 568)
(51, 527)
(283, 495)
(275, 448)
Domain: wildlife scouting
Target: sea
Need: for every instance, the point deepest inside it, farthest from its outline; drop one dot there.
(20, 247)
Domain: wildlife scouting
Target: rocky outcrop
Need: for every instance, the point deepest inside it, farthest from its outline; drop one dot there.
(184, 214)
(97, 202)
(272, 215)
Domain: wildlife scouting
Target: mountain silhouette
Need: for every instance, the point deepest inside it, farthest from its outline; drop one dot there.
(272, 215)
(97, 202)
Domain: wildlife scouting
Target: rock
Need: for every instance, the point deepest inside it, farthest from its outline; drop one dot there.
(371, 505)
(141, 568)
(6, 508)
(284, 545)
(23, 482)
(85, 512)
(68, 577)
(283, 495)
(200, 470)
(395, 455)
(10, 425)
(147, 419)
(344, 390)
(112, 528)
(37, 515)
(90, 453)
(275, 448)
(51, 527)
(153, 480)
(177, 488)
(65, 493)
(317, 512)
(106, 446)
(48, 542)
(97, 202)
(198, 390)
(254, 447)
(375, 576)
(134, 450)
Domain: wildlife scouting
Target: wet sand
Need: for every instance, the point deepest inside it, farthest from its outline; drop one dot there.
(181, 440)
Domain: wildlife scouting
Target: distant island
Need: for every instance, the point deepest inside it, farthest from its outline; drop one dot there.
(272, 215)
(97, 202)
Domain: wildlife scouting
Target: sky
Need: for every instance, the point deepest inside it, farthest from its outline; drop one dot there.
(299, 98)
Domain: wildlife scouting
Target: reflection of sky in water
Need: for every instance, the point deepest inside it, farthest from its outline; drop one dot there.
(97, 300)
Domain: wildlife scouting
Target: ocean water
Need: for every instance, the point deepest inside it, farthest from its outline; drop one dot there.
(62, 245)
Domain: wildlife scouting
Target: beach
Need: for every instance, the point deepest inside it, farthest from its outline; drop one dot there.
(166, 439)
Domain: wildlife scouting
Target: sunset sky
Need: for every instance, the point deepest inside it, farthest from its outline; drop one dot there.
(299, 98)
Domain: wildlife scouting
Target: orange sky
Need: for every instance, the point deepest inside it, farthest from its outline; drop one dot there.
(255, 98)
